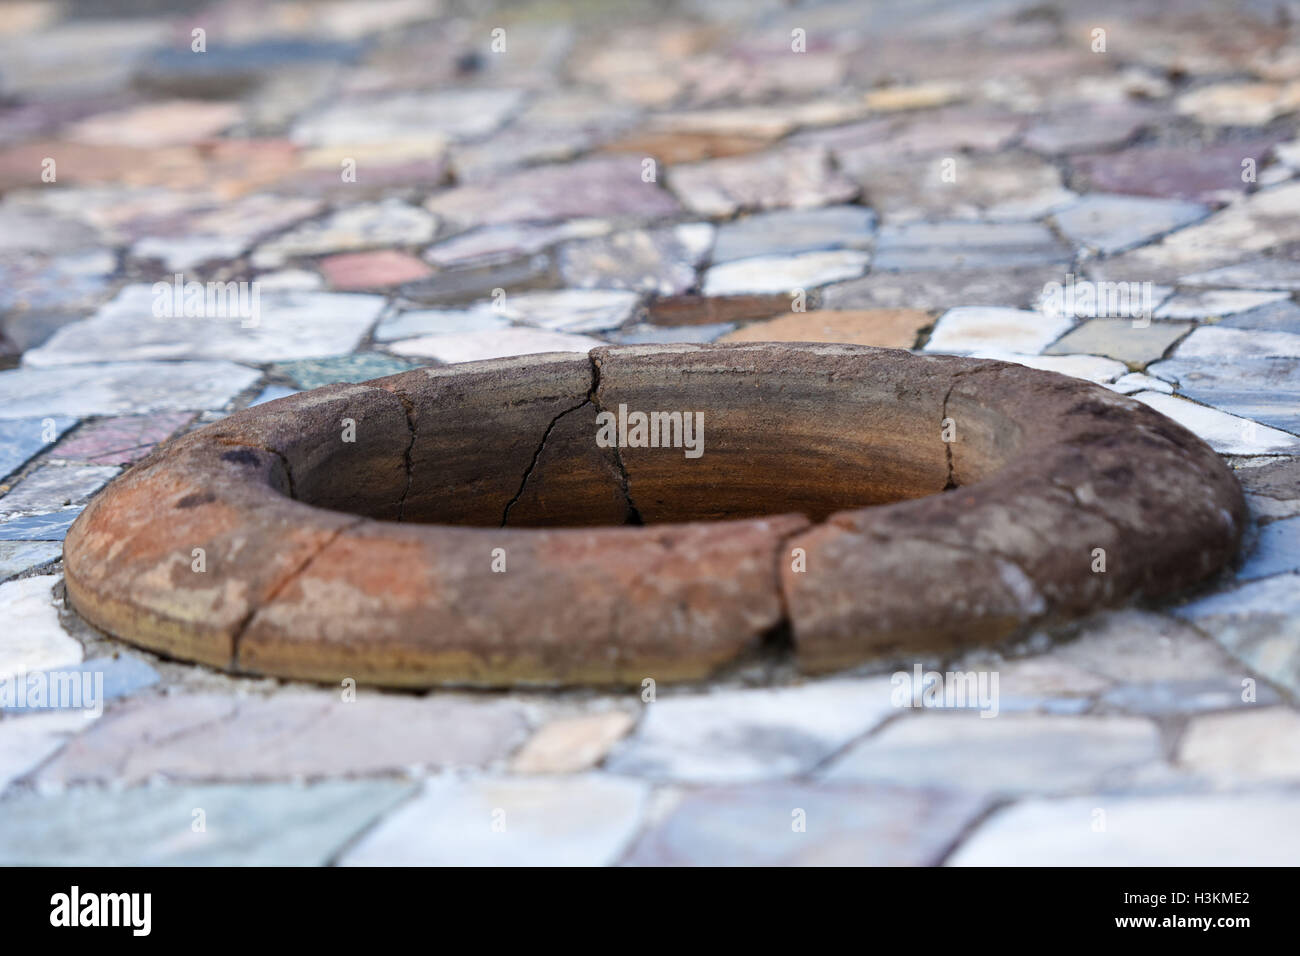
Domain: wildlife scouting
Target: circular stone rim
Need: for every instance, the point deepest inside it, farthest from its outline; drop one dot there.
(1011, 545)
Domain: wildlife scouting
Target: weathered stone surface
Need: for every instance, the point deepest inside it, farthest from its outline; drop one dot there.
(266, 825)
(845, 826)
(415, 605)
(1175, 830)
(791, 231)
(963, 246)
(455, 347)
(1112, 224)
(1228, 434)
(1262, 389)
(213, 737)
(582, 820)
(1205, 173)
(735, 736)
(1277, 551)
(662, 261)
(605, 186)
(287, 325)
(1010, 754)
(936, 291)
(120, 441)
(119, 388)
(795, 178)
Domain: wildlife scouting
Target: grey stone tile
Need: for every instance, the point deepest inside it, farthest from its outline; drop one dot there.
(1120, 339)
(121, 388)
(962, 246)
(56, 486)
(577, 820)
(791, 824)
(110, 678)
(790, 231)
(1007, 754)
(1277, 551)
(745, 735)
(44, 527)
(662, 261)
(241, 824)
(1242, 748)
(19, 556)
(1112, 224)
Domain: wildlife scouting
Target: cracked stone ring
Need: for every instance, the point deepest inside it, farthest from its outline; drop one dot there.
(648, 511)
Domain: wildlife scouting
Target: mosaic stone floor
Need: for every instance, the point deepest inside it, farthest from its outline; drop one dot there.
(947, 176)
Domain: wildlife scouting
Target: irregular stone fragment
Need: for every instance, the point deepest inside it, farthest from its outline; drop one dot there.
(33, 638)
(52, 486)
(1112, 224)
(482, 346)
(773, 274)
(791, 231)
(572, 744)
(793, 178)
(976, 328)
(1121, 339)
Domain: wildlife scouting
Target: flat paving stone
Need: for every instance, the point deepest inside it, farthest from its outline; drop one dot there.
(1276, 552)
(24, 438)
(1131, 645)
(1271, 317)
(1252, 274)
(288, 325)
(1091, 368)
(1135, 382)
(1007, 754)
(1002, 187)
(1120, 339)
(52, 526)
(600, 187)
(56, 486)
(930, 246)
(784, 273)
(1226, 434)
(1265, 390)
(577, 820)
(1182, 698)
(1173, 830)
(798, 178)
(416, 322)
(390, 222)
(734, 736)
(446, 113)
(1215, 302)
(939, 290)
(17, 557)
(298, 734)
(151, 125)
(241, 824)
(1204, 174)
(1258, 623)
(120, 388)
(473, 346)
(977, 328)
(356, 367)
(1112, 224)
(663, 261)
(792, 824)
(1244, 747)
(33, 638)
(29, 740)
(790, 231)
(120, 441)
(510, 241)
(571, 310)
(353, 271)
(572, 744)
(885, 328)
(1095, 127)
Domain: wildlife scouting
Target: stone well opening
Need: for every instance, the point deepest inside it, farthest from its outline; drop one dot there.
(464, 525)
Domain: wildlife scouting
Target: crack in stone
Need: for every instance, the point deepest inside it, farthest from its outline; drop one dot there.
(633, 513)
(523, 482)
(408, 407)
(279, 588)
(949, 485)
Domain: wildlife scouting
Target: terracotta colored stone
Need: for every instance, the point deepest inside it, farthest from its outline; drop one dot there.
(1044, 471)
(672, 146)
(885, 328)
(372, 270)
